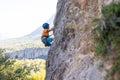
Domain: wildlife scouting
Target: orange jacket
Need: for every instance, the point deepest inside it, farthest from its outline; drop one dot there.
(45, 33)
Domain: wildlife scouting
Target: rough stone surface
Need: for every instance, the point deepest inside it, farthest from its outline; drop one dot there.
(71, 56)
(30, 53)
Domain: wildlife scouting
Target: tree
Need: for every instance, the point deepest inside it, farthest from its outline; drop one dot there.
(8, 71)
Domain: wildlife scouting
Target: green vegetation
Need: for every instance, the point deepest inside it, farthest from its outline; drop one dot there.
(27, 69)
(107, 37)
(13, 69)
(35, 68)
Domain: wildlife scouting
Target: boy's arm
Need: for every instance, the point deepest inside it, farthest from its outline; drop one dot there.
(50, 29)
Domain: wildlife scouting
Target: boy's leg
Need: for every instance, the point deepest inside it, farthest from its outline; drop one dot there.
(44, 41)
(46, 44)
(49, 40)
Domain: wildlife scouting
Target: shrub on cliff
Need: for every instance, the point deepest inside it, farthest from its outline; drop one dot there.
(107, 37)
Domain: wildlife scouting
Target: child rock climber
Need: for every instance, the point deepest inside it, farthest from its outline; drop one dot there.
(45, 35)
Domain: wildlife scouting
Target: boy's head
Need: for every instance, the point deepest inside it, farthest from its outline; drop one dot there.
(45, 26)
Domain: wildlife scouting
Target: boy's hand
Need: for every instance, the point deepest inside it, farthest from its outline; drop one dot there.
(51, 29)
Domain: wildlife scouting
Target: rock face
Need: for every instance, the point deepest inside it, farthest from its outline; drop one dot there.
(71, 56)
(30, 53)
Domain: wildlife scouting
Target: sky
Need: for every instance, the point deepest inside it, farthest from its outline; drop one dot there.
(21, 17)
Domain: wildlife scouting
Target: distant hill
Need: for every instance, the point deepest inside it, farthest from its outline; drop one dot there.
(29, 45)
(27, 41)
(30, 53)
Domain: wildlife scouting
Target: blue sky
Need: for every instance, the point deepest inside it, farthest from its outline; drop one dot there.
(21, 17)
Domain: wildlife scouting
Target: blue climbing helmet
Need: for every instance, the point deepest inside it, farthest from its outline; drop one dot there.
(45, 25)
